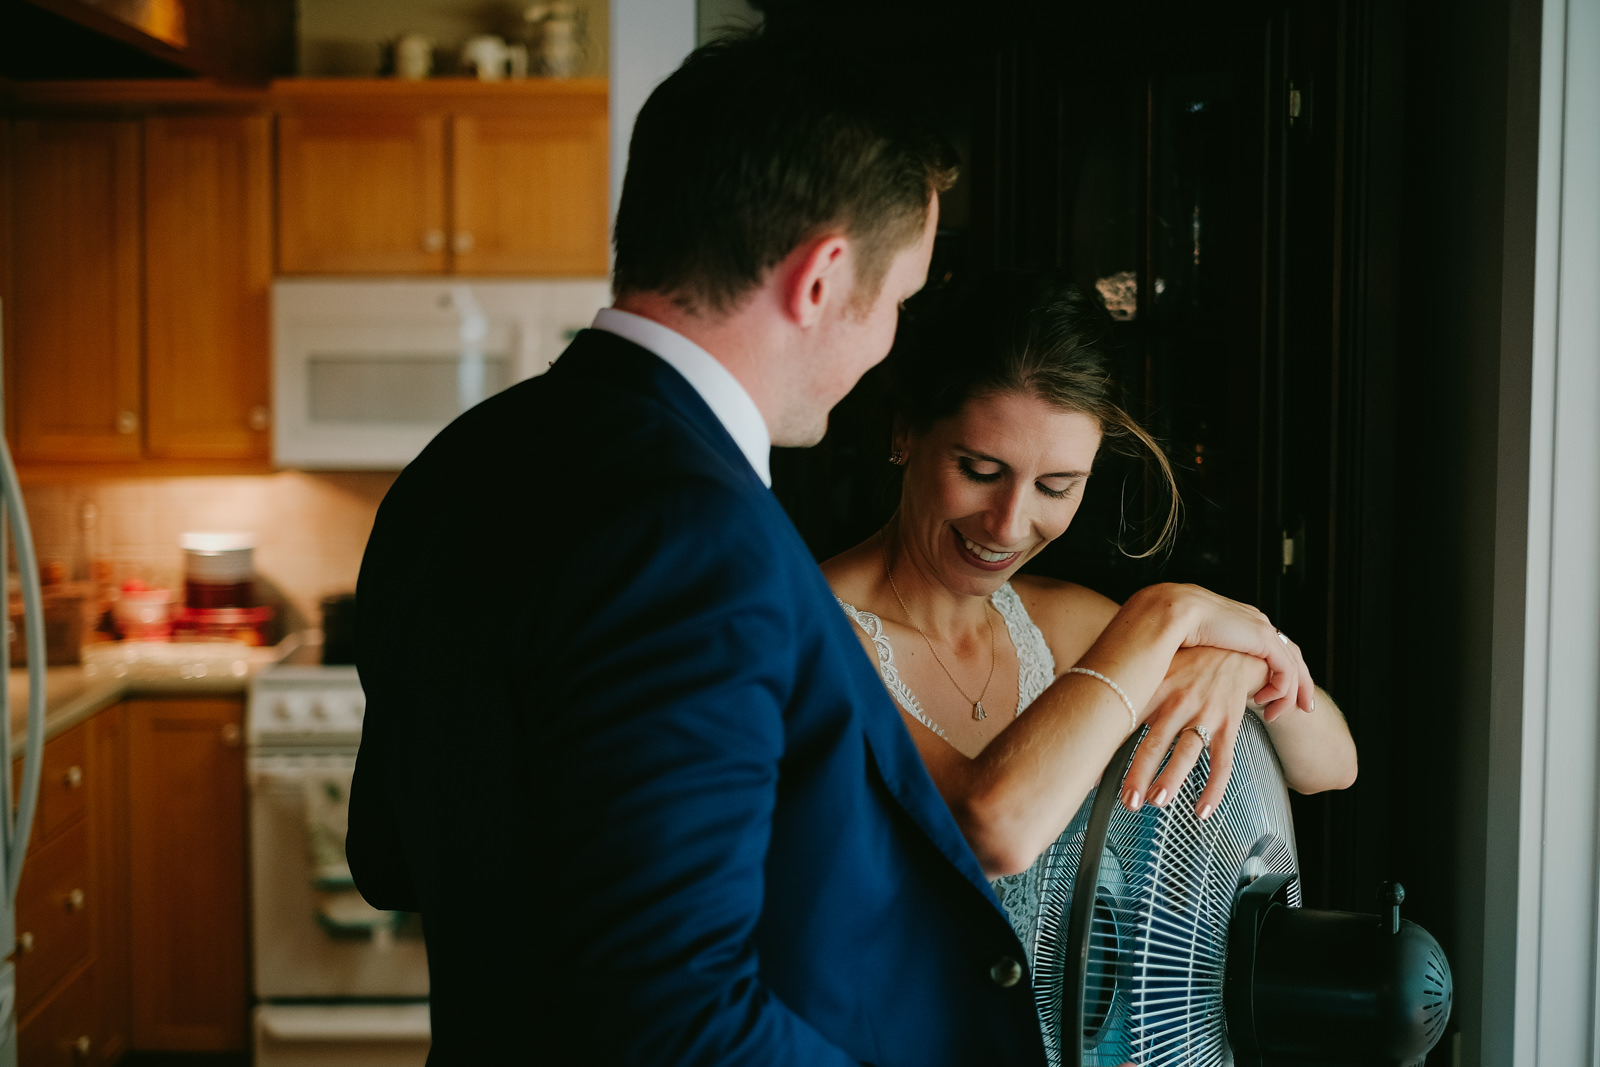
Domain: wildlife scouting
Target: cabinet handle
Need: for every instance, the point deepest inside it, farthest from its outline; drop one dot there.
(25, 941)
(127, 422)
(463, 242)
(230, 735)
(433, 241)
(73, 778)
(75, 900)
(260, 418)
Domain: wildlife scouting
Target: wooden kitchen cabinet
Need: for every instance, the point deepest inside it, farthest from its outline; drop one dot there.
(141, 253)
(186, 847)
(393, 178)
(72, 989)
(361, 193)
(76, 323)
(207, 286)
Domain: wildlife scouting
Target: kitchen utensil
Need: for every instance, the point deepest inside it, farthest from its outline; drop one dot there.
(413, 57)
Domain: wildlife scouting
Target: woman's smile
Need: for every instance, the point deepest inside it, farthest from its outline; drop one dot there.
(981, 557)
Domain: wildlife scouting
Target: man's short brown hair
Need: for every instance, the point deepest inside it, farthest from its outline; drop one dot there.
(756, 145)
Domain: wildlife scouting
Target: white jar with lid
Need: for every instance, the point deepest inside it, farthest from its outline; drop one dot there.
(218, 570)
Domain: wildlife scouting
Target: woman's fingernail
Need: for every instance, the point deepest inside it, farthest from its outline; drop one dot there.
(1130, 798)
(1205, 812)
(1159, 797)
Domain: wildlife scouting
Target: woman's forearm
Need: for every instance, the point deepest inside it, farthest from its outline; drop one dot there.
(1315, 747)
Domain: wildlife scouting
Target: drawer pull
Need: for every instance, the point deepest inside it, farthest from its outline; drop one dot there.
(25, 941)
(73, 778)
(230, 735)
(81, 1048)
(75, 900)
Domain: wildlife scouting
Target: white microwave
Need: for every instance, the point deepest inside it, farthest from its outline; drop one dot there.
(366, 372)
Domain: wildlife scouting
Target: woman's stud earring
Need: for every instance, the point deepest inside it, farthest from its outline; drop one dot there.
(897, 458)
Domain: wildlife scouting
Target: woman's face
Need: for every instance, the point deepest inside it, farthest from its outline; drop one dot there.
(990, 486)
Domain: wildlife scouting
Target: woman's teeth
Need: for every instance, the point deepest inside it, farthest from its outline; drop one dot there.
(984, 554)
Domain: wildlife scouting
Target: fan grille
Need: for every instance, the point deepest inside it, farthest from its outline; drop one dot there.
(1158, 935)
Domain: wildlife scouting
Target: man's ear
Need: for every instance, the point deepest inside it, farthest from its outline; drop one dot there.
(817, 273)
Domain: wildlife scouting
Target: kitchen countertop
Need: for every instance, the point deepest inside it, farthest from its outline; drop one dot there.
(73, 694)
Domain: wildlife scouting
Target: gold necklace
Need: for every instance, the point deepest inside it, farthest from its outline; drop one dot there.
(977, 703)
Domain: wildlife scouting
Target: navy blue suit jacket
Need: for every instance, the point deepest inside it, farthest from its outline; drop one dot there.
(625, 755)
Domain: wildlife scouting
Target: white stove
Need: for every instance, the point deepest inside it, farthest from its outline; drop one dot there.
(297, 708)
(337, 982)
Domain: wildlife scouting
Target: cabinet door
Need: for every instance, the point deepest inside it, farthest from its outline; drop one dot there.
(75, 233)
(361, 193)
(531, 192)
(186, 832)
(208, 275)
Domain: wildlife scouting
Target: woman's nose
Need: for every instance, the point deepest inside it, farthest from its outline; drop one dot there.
(1007, 522)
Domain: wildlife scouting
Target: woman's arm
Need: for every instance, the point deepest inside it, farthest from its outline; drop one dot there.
(1013, 799)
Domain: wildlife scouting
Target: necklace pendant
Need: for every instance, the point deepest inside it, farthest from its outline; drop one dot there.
(977, 711)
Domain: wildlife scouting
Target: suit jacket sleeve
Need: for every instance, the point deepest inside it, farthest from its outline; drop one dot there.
(664, 770)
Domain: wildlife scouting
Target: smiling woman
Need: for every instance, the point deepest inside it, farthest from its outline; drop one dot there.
(1004, 398)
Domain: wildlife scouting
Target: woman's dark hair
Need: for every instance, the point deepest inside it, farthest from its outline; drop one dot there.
(757, 144)
(1030, 332)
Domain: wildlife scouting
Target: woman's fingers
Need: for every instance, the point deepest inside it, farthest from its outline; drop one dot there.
(1221, 770)
(1185, 754)
(1146, 761)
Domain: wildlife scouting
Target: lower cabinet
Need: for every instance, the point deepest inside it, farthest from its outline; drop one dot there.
(72, 982)
(131, 924)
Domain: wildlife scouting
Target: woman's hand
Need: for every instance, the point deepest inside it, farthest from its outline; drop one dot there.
(1206, 618)
(1205, 690)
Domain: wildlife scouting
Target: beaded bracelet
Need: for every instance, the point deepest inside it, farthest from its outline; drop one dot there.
(1133, 715)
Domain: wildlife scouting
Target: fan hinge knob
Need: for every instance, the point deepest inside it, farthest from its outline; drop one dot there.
(1393, 894)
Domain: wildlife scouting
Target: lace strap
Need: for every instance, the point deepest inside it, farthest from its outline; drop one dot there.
(872, 626)
(1036, 667)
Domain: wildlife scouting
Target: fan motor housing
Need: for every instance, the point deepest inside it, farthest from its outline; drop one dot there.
(1308, 987)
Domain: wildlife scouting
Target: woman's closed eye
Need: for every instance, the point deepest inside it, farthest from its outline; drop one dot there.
(982, 471)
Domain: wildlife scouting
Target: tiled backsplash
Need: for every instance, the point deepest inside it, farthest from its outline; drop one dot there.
(310, 528)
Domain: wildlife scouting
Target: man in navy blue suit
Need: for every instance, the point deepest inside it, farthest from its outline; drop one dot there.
(622, 751)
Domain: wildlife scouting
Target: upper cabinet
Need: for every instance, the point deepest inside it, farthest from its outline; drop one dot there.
(75, 322)
(388, 177)
(142, 258)
(207, 286)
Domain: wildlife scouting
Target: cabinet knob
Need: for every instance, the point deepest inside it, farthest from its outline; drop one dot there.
(127, 422)
(464, 241)
(81, 1048)
(433, 241)
(260, 418)
(73, 778)
(75, 900)
(230, 734)
(25, 941)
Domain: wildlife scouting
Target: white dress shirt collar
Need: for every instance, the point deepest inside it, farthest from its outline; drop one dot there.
(716, 384)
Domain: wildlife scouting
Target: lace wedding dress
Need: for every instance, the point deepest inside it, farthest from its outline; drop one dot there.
(1036, 669)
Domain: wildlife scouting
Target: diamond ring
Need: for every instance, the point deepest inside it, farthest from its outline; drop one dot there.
(1205, 735)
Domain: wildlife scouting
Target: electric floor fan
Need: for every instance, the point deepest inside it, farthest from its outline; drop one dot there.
(1173, 942)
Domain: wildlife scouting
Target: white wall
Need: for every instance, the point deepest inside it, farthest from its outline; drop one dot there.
(1540, 932)
(649, 38)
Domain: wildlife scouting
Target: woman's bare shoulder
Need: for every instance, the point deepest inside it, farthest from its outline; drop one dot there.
(853, 573)
(1070, 616)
